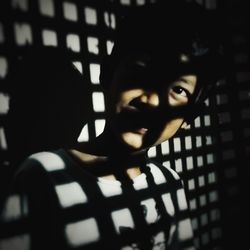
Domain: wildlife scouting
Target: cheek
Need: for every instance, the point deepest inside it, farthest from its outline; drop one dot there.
(133, 140)
(170, 130)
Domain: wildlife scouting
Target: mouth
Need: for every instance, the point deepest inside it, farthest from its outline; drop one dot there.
(141, 131)
(134, 120)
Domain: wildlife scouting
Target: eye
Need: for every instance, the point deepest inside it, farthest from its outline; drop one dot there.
(180, 91)
(178, 95)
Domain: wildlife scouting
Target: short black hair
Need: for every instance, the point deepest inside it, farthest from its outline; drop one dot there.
(180, 37)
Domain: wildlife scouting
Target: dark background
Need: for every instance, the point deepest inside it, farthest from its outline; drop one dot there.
(212, 156)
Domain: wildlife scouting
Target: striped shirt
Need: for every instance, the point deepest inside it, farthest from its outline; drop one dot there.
(55, 204)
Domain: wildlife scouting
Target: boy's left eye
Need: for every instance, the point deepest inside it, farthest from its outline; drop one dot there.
(177, 95)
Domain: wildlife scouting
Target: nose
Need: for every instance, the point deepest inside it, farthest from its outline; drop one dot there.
(150, 98)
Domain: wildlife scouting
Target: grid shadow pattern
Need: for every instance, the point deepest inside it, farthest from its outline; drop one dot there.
(211, 155)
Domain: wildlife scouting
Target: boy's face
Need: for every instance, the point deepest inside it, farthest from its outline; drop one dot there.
(143, 112)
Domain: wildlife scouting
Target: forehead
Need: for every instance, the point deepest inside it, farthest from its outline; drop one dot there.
(157, 70)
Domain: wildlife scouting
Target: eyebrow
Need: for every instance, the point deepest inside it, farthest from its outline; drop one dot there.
(189, 82)
(190, 85)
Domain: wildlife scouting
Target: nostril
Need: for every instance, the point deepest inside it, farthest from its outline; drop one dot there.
(138, 104)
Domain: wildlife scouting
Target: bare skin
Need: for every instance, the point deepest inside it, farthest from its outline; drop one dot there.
(130, 130)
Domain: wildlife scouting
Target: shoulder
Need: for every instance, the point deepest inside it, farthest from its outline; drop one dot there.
(39, 170)
(36, 178)
(47, 160)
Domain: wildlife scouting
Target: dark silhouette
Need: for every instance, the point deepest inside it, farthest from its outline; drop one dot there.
(106, 193)
(49, 105)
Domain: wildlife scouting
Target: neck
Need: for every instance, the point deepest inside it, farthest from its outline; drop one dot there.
(108, 157)
(108, 145)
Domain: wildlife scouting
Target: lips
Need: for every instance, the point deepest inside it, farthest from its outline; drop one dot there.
(132, 119)
(138, 118)
(141, 131)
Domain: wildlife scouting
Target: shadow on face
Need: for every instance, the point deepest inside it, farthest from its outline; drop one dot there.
(147, 107)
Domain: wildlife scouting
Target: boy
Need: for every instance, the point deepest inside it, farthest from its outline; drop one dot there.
(105, 193)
